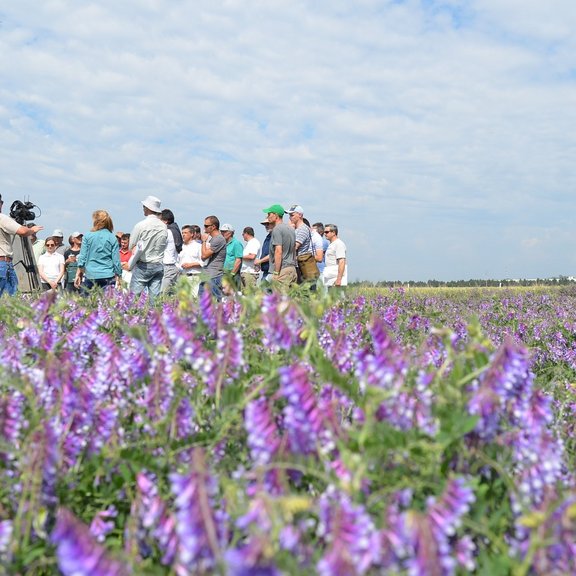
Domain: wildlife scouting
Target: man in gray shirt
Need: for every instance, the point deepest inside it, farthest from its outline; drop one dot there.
(214, 253)
(282, 256)
(149, 237)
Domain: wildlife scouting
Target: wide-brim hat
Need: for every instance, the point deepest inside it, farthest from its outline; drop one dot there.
(152, 203)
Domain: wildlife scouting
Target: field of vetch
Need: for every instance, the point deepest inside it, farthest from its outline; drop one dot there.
(377, 432)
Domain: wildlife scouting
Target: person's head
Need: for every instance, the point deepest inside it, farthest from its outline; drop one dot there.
(167, 216)
(151, 205)
(275, 214)
(267, 225)
(75, 239)
(101, 220)
(211, 225)
(227, 231)
(248, 233)
(296, 214)
(331, 232)
(319, 227)
(124, 241)
(58, 237)
(50, 244)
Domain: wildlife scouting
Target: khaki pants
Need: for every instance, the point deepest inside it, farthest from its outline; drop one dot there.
(194, 281)
(249, 280)
(286, 278)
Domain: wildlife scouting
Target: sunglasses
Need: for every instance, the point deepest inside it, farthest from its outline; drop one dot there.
(327, 231)
(50, 245)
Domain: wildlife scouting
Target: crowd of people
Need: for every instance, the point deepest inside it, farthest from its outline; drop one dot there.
(158, 252)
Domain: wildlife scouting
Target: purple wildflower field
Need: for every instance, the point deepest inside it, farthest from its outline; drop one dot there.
(377, 432)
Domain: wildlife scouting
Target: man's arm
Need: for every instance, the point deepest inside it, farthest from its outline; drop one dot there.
(277, 259)
(206, 250)
(25, 231)
(341, 268)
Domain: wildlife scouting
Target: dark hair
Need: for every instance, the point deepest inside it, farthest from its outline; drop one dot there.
(125, 237)
(214, 220)
(248, 230)
(194, 228)
(319, 227)
(167, 215)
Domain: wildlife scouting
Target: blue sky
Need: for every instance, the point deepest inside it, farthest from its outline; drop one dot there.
(439, 136)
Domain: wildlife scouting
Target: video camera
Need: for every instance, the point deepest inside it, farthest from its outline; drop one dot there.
(23, 211)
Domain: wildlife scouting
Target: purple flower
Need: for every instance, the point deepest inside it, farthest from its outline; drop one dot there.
(263, 436)
(304, 420)
(77, 551)
(5, 539)
(102, 524)
(281, 322)
(353, 543)
(200, 524)
(154, 520)
(249, 561)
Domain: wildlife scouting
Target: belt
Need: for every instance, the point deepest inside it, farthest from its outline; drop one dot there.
(5, 258)
(192, 274)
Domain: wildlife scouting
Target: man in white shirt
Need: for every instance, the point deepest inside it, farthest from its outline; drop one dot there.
(190, 258)
(336, 270)
(151, 236)
(248, 272)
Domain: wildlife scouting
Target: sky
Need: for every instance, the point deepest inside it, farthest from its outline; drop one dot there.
(439, 136)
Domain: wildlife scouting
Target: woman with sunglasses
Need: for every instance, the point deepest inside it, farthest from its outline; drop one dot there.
(99, 259)
(51, 266)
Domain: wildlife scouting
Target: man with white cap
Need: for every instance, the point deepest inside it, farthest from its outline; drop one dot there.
(58, 237)
(70, 260)
(305, 255)
(150, 238)
(263, 258)
(234, 250)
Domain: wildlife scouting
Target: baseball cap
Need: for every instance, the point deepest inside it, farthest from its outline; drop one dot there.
(58, 233)
(226, 228)
(76, 234)
(275, 209)
(265, 222)
(295, 208)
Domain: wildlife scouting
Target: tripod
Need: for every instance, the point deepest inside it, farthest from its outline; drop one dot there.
(28, 277)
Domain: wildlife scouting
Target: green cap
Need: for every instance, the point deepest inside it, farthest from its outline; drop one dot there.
(275, 209)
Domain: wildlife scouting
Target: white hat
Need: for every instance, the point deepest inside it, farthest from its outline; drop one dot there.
(58, 233)
(295, 208)
(76, 234)
(226, 228)
(152, 203)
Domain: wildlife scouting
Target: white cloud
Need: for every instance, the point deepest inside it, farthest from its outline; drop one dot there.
(431, 132)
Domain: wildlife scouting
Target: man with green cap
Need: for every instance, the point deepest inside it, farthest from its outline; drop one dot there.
(282, 256)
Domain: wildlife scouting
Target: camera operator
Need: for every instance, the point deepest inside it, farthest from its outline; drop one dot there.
(8, 229)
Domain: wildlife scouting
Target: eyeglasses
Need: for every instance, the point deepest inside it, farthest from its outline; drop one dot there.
(50, 245)
(208, 225)
(328, 231)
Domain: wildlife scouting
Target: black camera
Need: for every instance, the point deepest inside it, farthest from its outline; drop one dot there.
(23, 211)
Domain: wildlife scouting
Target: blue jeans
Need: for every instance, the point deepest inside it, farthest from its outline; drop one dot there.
(214, 285)
(147, 275)
(8, 279)
(100, 282)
